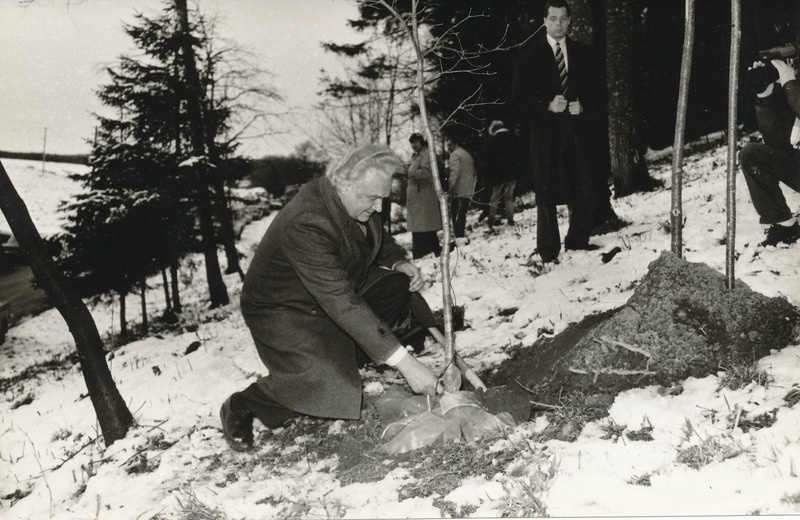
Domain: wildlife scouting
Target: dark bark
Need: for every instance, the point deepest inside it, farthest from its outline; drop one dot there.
(216, 285)
(142, 294)
(123, 323)
(176, 295)
(628, 166)
(112, 414)
(165, 285)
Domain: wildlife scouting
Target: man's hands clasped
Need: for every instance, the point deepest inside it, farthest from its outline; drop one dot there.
(560, 104)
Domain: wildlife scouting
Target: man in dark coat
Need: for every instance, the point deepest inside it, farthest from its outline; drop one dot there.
(503, 169)
(302, 299)
(777, 159)
(557, 95)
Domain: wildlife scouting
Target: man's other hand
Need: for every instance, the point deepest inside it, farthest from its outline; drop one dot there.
(413, 272)
(785, 71)
(762, 76)
(420, 378)
(575, 107)
(558, 105)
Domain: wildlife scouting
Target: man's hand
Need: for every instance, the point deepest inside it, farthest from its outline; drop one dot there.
(575, 107)
(762, 76)
(413, 272)
(558, 105)
(420, 378)
(785, 71)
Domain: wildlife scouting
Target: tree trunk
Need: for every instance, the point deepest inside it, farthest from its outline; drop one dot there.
(176, 295)
(216, 285)
(228, 237)
(112, 414)
(165, 285)
(627, 164)
(123, 323)
(142, 293)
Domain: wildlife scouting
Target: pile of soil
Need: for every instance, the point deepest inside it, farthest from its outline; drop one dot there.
(681, 321)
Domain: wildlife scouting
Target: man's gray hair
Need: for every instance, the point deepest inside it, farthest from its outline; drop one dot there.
(360, 160)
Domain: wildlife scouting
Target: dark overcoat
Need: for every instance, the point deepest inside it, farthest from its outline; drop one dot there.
(504, 161)
(563, 147)
(300, 301)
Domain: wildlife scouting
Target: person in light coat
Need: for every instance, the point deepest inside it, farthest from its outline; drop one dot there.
(423, 216)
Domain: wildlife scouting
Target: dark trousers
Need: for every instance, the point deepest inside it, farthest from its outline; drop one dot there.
(764, 168)
(386, 292)
(458, 212)
(424, 243)
(548, 238)
(504, 191)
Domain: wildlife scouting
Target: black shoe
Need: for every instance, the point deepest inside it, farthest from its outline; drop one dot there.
(777, 234)
(237, 427)
(580, 246)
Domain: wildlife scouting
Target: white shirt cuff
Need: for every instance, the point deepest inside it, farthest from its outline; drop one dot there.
(397, 357)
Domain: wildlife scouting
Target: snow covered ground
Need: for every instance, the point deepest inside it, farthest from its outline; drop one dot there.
(702, 459)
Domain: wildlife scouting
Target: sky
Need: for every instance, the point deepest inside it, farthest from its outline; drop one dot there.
(54, 53)
(50, 468)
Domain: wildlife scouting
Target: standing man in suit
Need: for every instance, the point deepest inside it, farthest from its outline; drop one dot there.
(319, 305)
(557, 95)
(461, 180)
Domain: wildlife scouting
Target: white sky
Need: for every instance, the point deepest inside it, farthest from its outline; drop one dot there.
(53, 53)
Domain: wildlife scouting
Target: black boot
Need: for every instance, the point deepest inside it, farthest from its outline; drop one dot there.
(777, 234)
(237, 427)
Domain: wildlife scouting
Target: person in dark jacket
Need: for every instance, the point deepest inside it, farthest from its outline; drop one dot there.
(318, 303)
(503, 169)
(777, 159)
(558, 98)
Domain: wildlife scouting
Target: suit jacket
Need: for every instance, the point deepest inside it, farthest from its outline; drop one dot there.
(563, 148)
(462, 176)
(300, 301)
(776, 114)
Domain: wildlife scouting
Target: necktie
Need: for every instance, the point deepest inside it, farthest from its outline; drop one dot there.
(562, 68)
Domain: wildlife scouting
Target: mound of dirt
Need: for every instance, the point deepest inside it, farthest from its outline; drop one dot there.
(681, 321)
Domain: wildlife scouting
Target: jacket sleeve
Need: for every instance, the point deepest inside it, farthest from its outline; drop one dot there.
(774, 116)
(456, 167)
(310, 247)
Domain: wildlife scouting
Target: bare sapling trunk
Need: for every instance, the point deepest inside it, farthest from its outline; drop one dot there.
(676, 214)
(733, 83)
(112, 413)
(452, 376)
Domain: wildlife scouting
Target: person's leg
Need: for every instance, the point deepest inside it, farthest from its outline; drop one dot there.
(548, 240)
(239, 409)
(431, 243)
(460, 216)
(508, 200)
(422, 243)
(270, 412)
(764, 167)
(387, 293)
(497, 192)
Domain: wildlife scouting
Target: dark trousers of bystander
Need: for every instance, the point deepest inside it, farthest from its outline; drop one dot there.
(424, 243)
(458, 212)
(765, 167)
